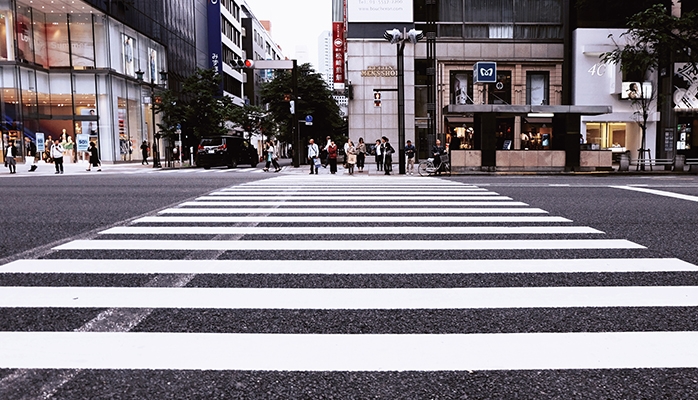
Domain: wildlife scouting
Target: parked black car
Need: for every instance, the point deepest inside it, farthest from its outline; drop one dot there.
(230, 151)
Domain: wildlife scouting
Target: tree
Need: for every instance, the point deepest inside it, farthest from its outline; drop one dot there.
(255, 120)
(313, 98)
(637, 59)
(208, 108)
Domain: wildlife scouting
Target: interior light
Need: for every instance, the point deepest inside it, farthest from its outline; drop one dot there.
(540, 115)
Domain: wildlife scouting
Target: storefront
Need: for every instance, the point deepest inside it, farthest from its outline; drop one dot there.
(74, 71)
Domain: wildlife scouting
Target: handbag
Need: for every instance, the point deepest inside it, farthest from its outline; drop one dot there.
(316, 161)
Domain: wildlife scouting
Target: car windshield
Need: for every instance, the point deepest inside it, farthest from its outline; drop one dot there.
(212, 142)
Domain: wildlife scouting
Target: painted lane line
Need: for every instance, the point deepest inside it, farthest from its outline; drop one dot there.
(370, 352)
(226, 196)
(659, 192)
(352, 211)
(374, 219)
(343, 203)
(335, 245)
(367, 192)
(355, 230)
(605, 265)
(349, 299)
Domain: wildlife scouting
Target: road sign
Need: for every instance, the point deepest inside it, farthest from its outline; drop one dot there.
(40, 144)
(485, 72)
(308, 119)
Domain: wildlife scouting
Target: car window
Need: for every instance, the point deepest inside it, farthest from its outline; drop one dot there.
(211, 141)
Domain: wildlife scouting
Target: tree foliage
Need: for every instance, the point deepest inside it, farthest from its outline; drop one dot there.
(207, 109)
(313, 98)
(255, 120)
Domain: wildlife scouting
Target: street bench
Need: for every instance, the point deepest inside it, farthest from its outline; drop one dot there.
(652, 162)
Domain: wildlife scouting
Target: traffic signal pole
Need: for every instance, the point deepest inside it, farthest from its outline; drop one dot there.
(296, 133)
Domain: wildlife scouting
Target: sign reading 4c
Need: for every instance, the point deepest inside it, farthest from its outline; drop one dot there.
(485, 72)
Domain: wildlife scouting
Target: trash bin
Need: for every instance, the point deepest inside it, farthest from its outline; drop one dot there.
(679, 162)
(624, 162)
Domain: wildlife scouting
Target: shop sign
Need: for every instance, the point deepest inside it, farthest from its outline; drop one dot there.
(685, 83)
(215, 46)
(338, 53)
(40, 142)
(379, 72)
(83, 140)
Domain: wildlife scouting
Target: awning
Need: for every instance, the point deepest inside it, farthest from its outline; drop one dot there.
(460, 109)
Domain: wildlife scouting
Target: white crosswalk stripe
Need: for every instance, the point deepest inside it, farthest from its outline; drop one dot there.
(425, 244)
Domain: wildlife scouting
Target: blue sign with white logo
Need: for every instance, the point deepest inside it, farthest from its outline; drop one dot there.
(83, 140)
(40, 144)
(485, 72)
(308, 118)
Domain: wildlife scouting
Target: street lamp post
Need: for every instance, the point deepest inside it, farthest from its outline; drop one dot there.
(395, 36)
(156, 136)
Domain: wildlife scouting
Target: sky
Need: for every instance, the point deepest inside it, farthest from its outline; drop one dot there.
(295, 24)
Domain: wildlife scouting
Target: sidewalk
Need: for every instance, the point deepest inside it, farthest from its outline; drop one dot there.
(79, 167)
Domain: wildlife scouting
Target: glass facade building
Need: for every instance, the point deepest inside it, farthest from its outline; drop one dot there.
(69, 69)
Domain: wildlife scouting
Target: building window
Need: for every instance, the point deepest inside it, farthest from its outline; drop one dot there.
(500, 92)
(537, 84)
(461, 87)
(606, 135)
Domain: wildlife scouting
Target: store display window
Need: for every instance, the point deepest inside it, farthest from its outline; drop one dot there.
(606, 135)
(462, 87)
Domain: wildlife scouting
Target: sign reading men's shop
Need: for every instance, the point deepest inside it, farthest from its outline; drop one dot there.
(379, 71)
(485, 72)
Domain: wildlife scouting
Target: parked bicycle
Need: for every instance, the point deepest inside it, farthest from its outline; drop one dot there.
(427, 167)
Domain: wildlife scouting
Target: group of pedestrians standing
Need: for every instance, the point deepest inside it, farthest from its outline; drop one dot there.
(56, 154)
(355, 156)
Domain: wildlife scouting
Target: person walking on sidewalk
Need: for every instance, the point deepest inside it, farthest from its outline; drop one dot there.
(144, 152)
(57, 155)
(10, 154)
(94, 157)
(271, 157)
(313, 156)
(409, 152)
(31, 152)
(360, 155)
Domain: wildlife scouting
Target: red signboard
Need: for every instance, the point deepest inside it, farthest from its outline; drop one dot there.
(338, 52)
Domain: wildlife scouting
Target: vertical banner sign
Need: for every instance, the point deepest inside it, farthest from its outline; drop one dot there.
(338, 54)
(215, 46)
(40, 142)
(83, 141)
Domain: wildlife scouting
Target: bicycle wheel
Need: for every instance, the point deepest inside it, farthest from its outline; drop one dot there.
(447, 168)
(422, 169)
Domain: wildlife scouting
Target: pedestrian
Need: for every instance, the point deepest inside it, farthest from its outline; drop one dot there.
(94, 157)
(313, 156)
(144, 151)
(437, 151)
(351, 156)
(31, 152)
(360, 155)
(346, 149)
(379, 155)
(10, 154)
(387, 150)
(332, 157)
(271, 157)
(410, 152)
(57, 155)
(325, 153)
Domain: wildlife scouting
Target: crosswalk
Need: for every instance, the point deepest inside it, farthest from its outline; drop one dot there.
(423, 273)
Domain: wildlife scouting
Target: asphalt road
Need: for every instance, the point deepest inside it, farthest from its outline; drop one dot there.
(42, 212)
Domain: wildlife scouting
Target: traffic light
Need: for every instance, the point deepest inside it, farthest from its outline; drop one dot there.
(243, 64)
(376, 99)
(292, 106)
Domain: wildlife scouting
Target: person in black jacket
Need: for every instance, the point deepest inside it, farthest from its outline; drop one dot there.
(94, 157)
(437, 151)
(31, 152)
(10, 154)
(387, 150)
